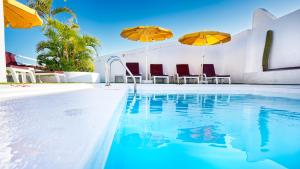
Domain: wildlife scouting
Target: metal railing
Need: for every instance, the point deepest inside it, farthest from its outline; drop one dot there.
(108, 63)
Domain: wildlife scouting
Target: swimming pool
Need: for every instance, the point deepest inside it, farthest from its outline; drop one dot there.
(195, 131)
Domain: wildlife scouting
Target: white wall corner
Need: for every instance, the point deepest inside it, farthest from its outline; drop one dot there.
(262, 17)
(2, 45)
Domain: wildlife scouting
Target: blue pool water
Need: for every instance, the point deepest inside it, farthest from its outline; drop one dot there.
(204, 131)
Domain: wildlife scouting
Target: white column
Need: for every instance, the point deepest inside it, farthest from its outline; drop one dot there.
(2, 45)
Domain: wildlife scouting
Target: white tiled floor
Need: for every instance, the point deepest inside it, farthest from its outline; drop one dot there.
(58, 125)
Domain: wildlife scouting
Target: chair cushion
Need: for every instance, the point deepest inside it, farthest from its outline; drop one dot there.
(57, 72)
(209, 70)
(20, 67)
(156, 70)
(183, 69)
(161, 75)
(222, 75)
(10, 59)
(134, 69)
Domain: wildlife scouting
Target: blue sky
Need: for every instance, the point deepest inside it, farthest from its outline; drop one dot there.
(105, 19)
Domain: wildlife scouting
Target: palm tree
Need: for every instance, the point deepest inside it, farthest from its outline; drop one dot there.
(45, 8)
(66, 49)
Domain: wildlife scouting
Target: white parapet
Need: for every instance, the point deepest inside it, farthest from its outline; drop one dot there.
(2, 46)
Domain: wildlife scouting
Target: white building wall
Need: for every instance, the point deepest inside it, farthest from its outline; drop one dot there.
(234, 56)
(241, 58)
(2, 45)
(285, 51)
(169, 55)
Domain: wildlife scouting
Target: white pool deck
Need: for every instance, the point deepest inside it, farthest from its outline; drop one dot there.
(47, 126)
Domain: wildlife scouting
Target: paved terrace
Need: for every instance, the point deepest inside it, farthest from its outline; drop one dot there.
(63, 125)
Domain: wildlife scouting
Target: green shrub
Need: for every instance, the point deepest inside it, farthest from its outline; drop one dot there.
(66, 49)
(267, 50)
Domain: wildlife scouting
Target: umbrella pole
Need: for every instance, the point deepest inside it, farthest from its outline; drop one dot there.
(2, 46)
(204, 48)
(147, 48)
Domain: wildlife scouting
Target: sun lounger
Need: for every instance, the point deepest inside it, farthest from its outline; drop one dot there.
(15, 70)
(156, 71)
(135, 70)
(183, 72)
(210, 74)
(59, 76)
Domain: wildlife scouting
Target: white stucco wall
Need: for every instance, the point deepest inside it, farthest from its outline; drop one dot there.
(284, 52)
(241, 58)
(2, 47)
(169, 54)
(234, 60)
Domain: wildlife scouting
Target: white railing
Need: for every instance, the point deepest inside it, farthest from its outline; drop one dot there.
(108, 63)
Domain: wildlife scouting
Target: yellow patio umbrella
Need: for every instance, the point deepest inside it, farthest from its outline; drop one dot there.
(205, 38)
(18, 15)
(146, 34)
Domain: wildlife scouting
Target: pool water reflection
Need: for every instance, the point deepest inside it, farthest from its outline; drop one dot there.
(194, 131)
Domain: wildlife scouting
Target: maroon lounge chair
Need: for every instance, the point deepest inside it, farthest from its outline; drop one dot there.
(156, 71)
(14, 69)
(135, 70)
(183, 72)
(210, 74)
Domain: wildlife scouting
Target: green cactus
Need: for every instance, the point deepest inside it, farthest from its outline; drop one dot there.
(267, 50)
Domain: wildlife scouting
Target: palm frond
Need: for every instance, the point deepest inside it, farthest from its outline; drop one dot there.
(63, 10)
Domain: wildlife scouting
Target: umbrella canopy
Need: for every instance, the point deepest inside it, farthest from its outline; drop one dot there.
(205, 38)
(18, 15)
(146, 34)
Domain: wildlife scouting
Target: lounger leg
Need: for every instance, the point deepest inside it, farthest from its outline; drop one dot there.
(126, 81)
(14, 75)
(229, 80)
(64, 78)
(198, 80)
(140, 80)
(184, 80)
(217, 80)
(57, 78)
(39, 78)
(154, 80)
(23, 77)
(168, 80)
(32, 78)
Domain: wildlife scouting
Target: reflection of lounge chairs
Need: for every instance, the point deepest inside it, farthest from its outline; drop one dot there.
(135, 70)
(156, 106)
(210, 74)
(133, 104)
(15, 70)
(156, 71)
(183, 72)
(203, 134)
(156, 103)
(181, 105)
